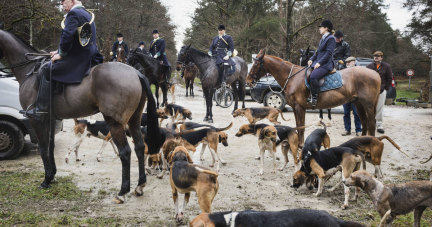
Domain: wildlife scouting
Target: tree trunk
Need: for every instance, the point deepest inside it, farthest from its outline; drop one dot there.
(289, 31)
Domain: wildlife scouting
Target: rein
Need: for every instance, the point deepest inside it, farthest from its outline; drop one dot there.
(27, 61)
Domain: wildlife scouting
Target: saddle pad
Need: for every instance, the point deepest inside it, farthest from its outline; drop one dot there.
(331, 82)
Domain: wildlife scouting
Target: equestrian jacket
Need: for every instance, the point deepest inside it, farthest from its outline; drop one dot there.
(324, 53)
(144, 51)
(220, 48)
(342, 51)
(385, 72)
(157, 47)
(76, 60)
(116, 46)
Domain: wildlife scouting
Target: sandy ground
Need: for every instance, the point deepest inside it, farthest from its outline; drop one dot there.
(239, 186)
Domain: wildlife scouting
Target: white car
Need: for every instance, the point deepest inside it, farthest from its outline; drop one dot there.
(13, 125)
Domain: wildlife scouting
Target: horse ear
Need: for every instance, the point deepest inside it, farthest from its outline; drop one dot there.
(2, 26)
(301, 50)
(188, 46)
(307, 50)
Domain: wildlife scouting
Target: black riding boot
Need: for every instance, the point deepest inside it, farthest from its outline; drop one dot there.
(167, 74)
(41, 108)
(314, 87)
(182, 74)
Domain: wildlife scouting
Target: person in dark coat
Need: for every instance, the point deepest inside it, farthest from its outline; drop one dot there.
(351, 62)
(322, 60)
(222, 46)
(141, 48)
(342, 51)
(157, 50)
(116, 45)
(385, 72)
(72, 61)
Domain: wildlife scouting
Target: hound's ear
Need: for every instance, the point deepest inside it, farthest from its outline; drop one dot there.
(360, 181)
(2, 26)
(220, 138)
(262, 134)
(150, 160)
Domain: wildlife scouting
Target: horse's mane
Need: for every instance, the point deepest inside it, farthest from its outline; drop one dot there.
(144, 56)
(280, 59)
(23, 41)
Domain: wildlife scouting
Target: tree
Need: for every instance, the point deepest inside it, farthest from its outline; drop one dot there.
(421, 22)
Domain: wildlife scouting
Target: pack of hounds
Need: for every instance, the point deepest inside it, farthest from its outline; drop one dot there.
(313, 167)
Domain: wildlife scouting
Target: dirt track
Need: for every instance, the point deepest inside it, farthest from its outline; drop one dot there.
(240, 187)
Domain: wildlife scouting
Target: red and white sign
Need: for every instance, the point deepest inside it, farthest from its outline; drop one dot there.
(410, 72)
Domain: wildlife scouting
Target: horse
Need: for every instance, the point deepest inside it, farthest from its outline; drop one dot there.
(152, 69)
(116, 90)
(121, 53)
(210, 79)
(304, 58)
(360, 86)
(189, 75)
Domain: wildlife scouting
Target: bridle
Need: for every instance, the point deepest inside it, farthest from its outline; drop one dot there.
(255, 79)
(27, 61)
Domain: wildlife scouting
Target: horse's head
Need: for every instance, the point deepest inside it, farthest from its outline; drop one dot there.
(132, 58)
(305, 55)
(179, 66)
(183, 55)
(258, 70)
(121, 53)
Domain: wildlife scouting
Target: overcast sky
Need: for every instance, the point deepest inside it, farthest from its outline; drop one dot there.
(182, 10)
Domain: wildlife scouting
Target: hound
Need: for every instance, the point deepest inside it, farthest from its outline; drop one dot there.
(171, 89)
(256, 114)
(177, 113)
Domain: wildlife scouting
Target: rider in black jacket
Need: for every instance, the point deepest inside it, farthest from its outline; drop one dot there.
(342, 51)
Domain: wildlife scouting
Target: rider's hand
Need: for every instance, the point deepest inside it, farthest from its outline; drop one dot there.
(317, 65)
(226, 57)
(155, 56)
(310, 62)
(210, 54)
(56, 57)
(52, 53)
(341, 62)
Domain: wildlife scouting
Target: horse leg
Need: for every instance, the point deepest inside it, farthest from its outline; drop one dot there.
(157, 95)
(206, 96)
(329, 114)
(321, 115)
(42, 133)
(363, 117)
(134, 128)
(370, 113)
(51, 149)
(119, 137)
(210, 104)
(165, 95)
(236, 96)
(242, 91)
(191, 88)
(187, 87)
(299, 114)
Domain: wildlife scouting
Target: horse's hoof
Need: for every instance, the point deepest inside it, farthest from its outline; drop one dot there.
(139, 190)
(118, 199)
(205, 119)
(210, 121)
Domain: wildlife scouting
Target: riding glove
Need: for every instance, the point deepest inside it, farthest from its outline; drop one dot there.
(226, 58)
(341, 62)
(210, 53)
(155, 56)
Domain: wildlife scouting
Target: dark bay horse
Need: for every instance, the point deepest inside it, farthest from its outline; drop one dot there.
(121, 53)
(304, 58)
(360, 86)
(152, 69)
(116, 90)
(189, 74)
(210, 79)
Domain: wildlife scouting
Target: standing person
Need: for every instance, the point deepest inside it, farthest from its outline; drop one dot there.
(350, 62)
(157, 50)
(72, 61)
(116, 45)
(322, 60)
(385, 72)
(223, 46)
(141, 48)
(342, 50)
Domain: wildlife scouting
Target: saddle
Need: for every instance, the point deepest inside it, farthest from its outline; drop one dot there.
(321, 81)
(331, 81)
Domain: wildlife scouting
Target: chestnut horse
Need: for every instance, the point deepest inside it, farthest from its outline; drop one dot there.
(360, 86)
(190, 73)
(121, 53)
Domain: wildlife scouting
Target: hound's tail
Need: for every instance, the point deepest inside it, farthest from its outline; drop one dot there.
(306, 126)
(325, 126)
(228, 127)
(190, 130)
(423, 162)
(393, 143)
(363, 158)
(213, 174)
(343, 223)
(280, 112)
(76, 121)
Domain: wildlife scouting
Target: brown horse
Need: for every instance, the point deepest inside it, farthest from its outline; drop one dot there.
(116, 90)
(190, 73)
(121, 53)
(360, 86)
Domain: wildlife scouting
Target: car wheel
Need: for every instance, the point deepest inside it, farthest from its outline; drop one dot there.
(275, 100)
(11, 140)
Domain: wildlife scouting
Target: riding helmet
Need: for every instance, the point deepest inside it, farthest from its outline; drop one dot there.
(221, 27)
(141, 43)
(338, 34)
(119, 35)
(327, 24)
(155, 31)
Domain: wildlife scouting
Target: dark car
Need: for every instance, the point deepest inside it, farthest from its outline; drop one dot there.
(262, 93)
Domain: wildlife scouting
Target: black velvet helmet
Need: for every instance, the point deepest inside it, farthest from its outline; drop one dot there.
(155, 31)
(327, 24)
(119, 35)
(338, 34)
(141, 43)
(221, 27)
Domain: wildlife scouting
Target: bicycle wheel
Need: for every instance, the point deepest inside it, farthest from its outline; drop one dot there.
(224, 100)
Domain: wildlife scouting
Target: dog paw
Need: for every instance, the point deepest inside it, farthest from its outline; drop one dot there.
(317, 194)
(274, 171)
(202, 159)
(160, 176)
(217, 170)
(224, 163)
(343, 207)
(211, 165)
(353, 200)
(257, 158)
(179, 217)
(98, 159)
(77, 159)
(67, 160)
(280, 169)
(260, 174)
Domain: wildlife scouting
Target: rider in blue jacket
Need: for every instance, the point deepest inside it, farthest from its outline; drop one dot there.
(322, 60)
(223, 47)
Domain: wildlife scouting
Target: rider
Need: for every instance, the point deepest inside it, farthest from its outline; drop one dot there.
(141, 48)
(223, 47)
(322, 60)
(116, 44)
(72, 61)
(157, 50)
(342, 51)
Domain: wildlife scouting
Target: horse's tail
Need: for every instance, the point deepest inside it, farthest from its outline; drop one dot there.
(393, 143)
(152, 124)
(280, 112)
